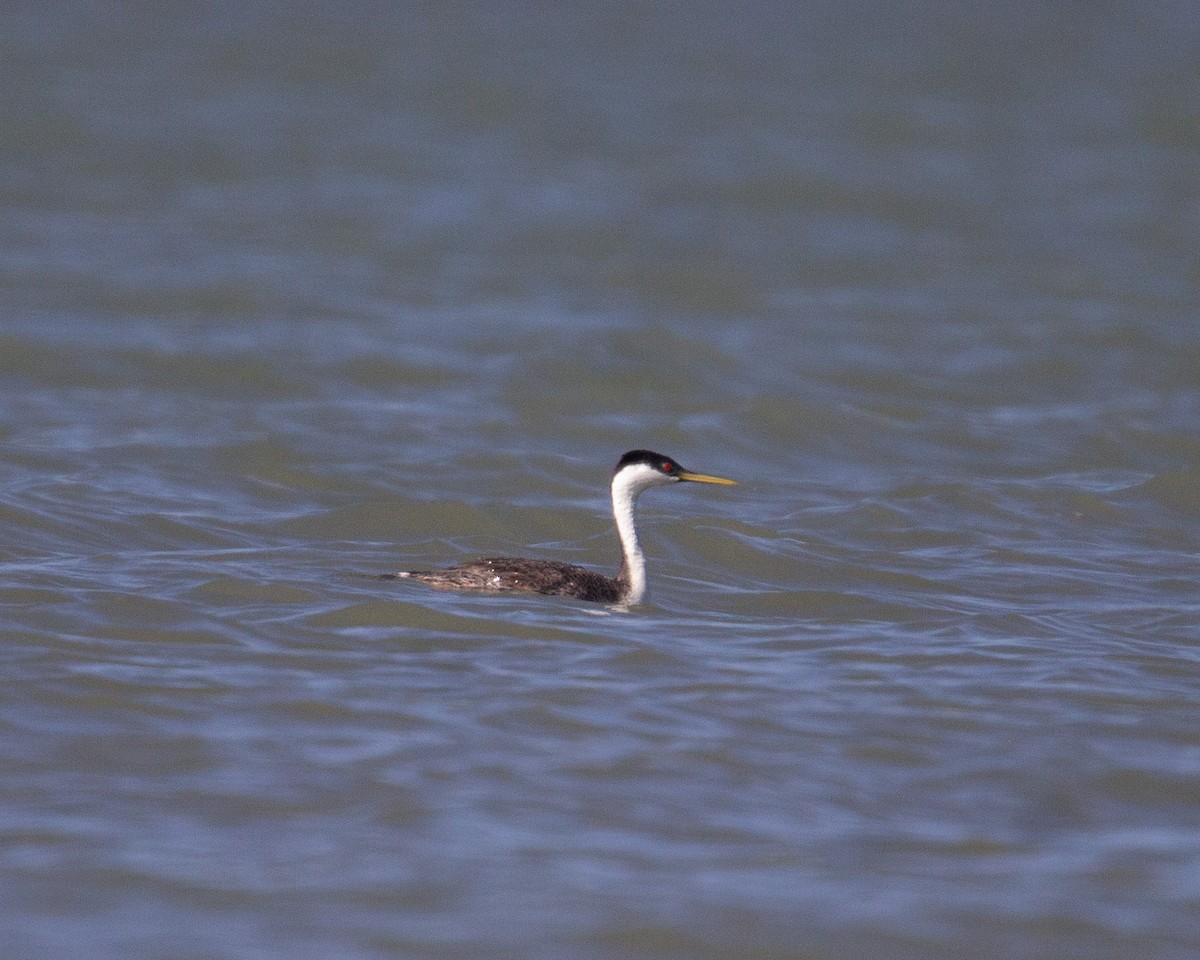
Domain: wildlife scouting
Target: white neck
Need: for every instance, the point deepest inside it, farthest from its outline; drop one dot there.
(626, 485)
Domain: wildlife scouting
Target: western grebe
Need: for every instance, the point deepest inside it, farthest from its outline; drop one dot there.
(636, 471)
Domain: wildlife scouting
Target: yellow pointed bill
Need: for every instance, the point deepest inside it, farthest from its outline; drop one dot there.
(704, 478)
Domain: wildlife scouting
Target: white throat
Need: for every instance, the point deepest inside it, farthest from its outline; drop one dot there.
(626, 486)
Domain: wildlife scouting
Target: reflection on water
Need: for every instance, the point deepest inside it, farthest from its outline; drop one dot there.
(284, 302)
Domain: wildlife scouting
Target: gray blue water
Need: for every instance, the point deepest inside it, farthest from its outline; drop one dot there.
(288, 296)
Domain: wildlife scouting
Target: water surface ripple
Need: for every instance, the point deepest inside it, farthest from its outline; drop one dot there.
(286, 302)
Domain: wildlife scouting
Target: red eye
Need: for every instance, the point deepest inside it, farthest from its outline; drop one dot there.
(668, 466)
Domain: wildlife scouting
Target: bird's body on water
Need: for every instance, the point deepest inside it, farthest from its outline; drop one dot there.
(636, 471)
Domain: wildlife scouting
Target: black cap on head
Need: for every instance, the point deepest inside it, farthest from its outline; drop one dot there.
(656, 461)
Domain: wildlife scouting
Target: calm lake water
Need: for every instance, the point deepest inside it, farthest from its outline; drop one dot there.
(290, 296)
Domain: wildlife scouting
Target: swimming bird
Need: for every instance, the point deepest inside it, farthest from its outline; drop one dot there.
(636, 471)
